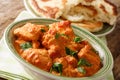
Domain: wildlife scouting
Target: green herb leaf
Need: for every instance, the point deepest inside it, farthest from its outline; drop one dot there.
(64, 35)
(82, 70)
(67, 50)
(73, 53)
(70, 52)
(26, 45)
(77, 39)
(57, 67)
(42, 30)
(57, 35)
(84, 62)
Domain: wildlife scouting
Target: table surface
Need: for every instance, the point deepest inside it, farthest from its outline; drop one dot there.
(9, 10)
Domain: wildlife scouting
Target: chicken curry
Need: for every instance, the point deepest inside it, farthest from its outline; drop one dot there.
(56, 49)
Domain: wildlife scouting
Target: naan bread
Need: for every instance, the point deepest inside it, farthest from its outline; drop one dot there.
(93, 10)
(89, 14)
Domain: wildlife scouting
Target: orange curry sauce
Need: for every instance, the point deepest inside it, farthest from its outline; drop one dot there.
(56, 49)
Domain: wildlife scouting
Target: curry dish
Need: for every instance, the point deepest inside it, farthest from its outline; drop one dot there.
(56, 49)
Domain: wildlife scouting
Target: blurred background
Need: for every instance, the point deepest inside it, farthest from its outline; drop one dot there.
(114, 43)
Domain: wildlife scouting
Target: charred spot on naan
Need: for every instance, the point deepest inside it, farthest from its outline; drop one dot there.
(89, 0)
(47, 11)
(45, 0)
(114, 8)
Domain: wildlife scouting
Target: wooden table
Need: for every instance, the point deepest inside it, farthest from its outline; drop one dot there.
(9, 9)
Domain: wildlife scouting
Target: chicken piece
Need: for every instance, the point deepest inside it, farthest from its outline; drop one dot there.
(75, 46)
(72, 61)
(30, 31)
(72, 72)
(68, 64)
(69, 72)
(71, 69)
(18, 42)
(17, 45)
(38, 57)
(93, 58)
(60, 64)
(62, 60)
(58, 36)
(35, 44)
(55, 51)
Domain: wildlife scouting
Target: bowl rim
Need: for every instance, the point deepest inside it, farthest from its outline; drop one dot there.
(104, 70)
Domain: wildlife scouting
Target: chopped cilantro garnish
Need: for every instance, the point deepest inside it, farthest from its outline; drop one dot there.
(57, 67)
(26, 45)
(82, 70)
(42, 30)
(77, 39)
(57, 35)
(64, 35)
(70, 52)
(84, 62)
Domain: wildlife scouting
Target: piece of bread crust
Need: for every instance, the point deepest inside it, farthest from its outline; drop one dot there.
(90, 26)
